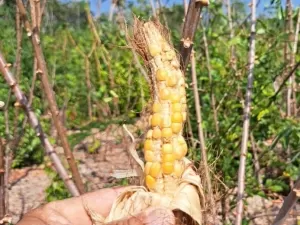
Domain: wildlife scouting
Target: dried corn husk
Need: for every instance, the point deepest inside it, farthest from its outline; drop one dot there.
(188, 198)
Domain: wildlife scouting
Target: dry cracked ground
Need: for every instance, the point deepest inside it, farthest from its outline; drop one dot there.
(28, 185)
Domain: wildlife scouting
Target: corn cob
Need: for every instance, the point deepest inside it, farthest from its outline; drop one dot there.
(169, 176)
(164, 147)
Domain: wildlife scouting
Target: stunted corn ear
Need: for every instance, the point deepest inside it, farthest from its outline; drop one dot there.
(168, 114)
(169, 175)
(168, 162)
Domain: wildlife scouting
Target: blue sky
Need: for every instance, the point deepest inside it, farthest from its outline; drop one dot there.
(262, 7)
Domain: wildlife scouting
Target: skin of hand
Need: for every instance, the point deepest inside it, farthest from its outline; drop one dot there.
(72, 212)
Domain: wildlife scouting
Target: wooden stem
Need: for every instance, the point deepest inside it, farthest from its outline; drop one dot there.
(246, 123)
(43, 73)
(189, 29)
(2, 180)
(37, 126)
(202, 139)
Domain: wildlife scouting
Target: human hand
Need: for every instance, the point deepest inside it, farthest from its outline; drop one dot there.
(72, 211)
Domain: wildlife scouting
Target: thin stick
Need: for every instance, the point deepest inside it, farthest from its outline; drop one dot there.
(92, 25)
(288, 204)
(98, 44)
(89, 87)
(111, 10)
(201, 137)
(232, 48)
(189, 125)
(36, 126)
(8, 151)
(19, 45)
(2, 180)
(107, 61)
(105, 108)
(256, 160)
(35, 39)
(185, 6)
(212, 95)
(18, 138)
(293, 61)
(18, 62)
(290, 60)
(242, 167)
(190, 25)
(272, 99)
(189, 29)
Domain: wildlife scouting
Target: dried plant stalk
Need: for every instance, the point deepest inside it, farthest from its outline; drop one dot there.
(36, 126)
(288, 204)
(43, 72)
(191, 22)
(246, 123)
(2, 181)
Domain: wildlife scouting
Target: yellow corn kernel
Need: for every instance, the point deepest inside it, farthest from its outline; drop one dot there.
(181, 140)
(181, 81)
(154, 50)
(182, 91)
(156, 107)
(155, 169)
(177, 117)
(178, 168)
(184, 148)
(148, 145)
(167, 149)
(156, 133)
(167, 168)
(149, 134)
(176, 107)
(176, 127)
(166, 122)
(150, 182)
(184, 107)
(172, 81)
(175, 98)
(164, 94)
(149, 156)
(161, 75)
(184, 116)
(167, 132)
(168, 158)
(156, 120)
(147, 167)
(178, 152)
